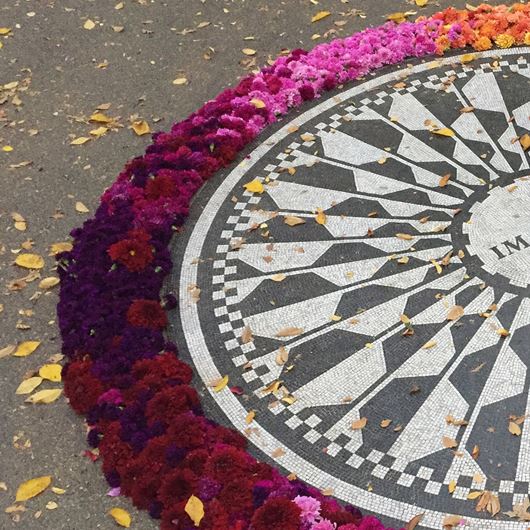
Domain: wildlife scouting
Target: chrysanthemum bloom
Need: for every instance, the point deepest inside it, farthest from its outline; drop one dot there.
(482, 44)
(135, 252)
(504, 41)
(81, 387)
(147, 314)
(277, 514)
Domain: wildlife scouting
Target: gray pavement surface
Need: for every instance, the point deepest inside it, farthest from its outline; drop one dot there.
(64, 72)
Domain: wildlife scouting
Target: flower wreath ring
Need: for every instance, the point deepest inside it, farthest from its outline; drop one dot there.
(144, 416)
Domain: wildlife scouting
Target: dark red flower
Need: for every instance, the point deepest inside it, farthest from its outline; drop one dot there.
(177, 485)
(160, 186)
(236, 496)
(147, 314)
(170, 402)
(196, 460)
(135, 252)
(277, 514)
(81, 387)
(227, 463)
(187, 430)
(159, 370)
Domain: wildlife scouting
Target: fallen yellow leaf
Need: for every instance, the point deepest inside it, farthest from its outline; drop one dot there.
(56, 248)
(320, 15)
(180, 81)
(258, 103)
(444, 132)
(467, 58)
(140, 127)
(80, 207)
(525, 141)
(26, 348)
(320, 218)
(99, 117)
(100, 131)
(472, 495)
(80, 141)
(28, 385)
(30, 261)
(514, 428)
(48, 283)
(221, 384)
(249, 51)
(7, 148)
(421, 3)
(89, 24)
(250, 417)
(195, 509)
(45, 396)
(121, 516)
(51, 372)
(31, 488)
(254, 186)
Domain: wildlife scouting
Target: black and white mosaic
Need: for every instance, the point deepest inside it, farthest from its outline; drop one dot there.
(328, 303)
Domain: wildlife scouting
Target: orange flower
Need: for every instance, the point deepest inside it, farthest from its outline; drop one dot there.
(482, 44)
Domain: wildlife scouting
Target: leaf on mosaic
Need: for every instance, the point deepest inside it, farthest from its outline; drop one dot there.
(289, 332)
(455, 312)
(449, 443)
(292, 220)
(246, 335)
(221, 384)
(359, 424)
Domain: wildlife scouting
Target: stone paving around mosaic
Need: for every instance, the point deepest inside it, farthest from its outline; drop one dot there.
(372, 303)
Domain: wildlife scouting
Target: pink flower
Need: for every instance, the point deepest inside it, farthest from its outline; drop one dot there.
(310, 508)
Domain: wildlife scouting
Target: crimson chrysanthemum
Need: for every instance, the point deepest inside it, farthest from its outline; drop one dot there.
(277, 514)
(135, 252)
(81, 387)
(147, 314)
(160, 186)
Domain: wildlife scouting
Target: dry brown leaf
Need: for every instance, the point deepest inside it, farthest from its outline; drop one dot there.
(246, 336)
(289, 332)
(359, 424)
(416, 520)
(455, 312)
(292, 220)
(320, 217)
(444, 180)
(451, 521)
(406, 237)
(514, 428)
(282, 356)
(449, 443)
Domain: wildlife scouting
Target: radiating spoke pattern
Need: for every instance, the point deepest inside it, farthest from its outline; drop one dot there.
(371, 305)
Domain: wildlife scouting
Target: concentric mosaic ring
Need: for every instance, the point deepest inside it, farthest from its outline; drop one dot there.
(348, 311)
(307, 317)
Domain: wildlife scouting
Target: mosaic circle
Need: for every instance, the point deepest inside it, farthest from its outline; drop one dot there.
(370, 304)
